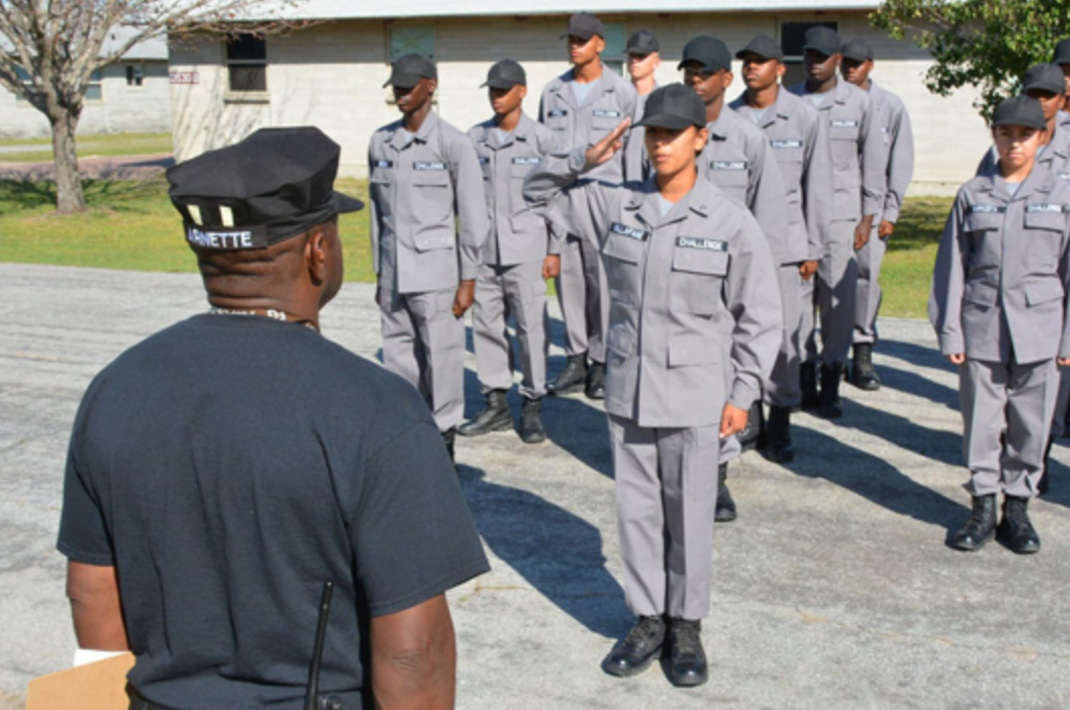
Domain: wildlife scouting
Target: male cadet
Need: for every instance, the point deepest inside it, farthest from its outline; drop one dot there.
(223, 470)
(858, 166)
(898, 139)
(424, 174)
(518, 257)
(1043, 82)
(644, 57)
(737, 159)
(1061, 58)
(797, 135)
(582, 106)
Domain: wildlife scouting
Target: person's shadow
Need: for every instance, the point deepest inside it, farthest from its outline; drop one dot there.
(557, 552)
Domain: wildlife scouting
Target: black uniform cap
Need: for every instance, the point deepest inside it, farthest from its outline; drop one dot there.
(857, 49)
(642, 42)
(1046, 77)
(822, 39)
(765, 47)
(674, 107)
(274, 185)
(1019, 111)
(708, 51)
(1062, 52)
(408, 69)
(505, 75)
(584, 25)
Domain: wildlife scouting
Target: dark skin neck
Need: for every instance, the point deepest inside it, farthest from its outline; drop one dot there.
(763, 98)
(713, 109)
(509, 121)
(586, 73)
(414, 119)
(821, 87)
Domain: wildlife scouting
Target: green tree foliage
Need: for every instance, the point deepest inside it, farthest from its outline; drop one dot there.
(986, 44)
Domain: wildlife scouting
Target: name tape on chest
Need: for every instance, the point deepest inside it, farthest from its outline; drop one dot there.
(698, 243)
(728, 165)
(1064, 176)
(630, 232)
(557, 113)
(383, 164)
(606, 113)
(786, 144)
(987, 209)
(526, 160)
(428, 165)
(1045, 208)
(483, 160)
(843, 123)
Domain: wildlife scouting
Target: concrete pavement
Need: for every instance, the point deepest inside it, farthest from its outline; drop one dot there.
(835, 588)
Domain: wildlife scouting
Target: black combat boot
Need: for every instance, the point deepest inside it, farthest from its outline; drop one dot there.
(635, 652)
(596, 381)
(778, 431)
(863, 376)
(1015, 530)
(753, 435)
(447, 438)
(687, 658)
(494, 417)
(531, 431)
(828, 402)
(725, 511)
(979, 527)
(808, 384)
(570, 379)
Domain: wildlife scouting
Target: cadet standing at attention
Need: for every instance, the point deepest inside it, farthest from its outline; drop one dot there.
(1061, 58)
(858, 193)
(999, 308)
(518, 257)
(582, 106)
(738, 160)
(797, 135)
(644, 57)
(682, 260)
(424, 175)
(898, 139)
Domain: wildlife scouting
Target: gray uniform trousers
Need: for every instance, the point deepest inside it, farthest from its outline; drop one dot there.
(582, 293)
(519, 290)
(868, 298)
(835, 294)
(664, 483)
(424, 343)
(1013, 402)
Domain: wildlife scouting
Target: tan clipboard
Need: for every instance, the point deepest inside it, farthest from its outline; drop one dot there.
(94, 686)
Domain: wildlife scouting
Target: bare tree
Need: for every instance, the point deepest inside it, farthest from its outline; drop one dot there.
(58, 44)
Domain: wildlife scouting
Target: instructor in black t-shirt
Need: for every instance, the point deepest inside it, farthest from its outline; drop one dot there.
(221, 471)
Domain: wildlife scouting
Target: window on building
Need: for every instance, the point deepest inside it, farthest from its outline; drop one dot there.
(613, 55)
(246, 64)
(409, 39)
(135, 74)
(791, 43)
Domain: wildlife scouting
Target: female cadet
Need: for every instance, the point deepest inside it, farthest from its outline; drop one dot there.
(680, 258)
(998, 305)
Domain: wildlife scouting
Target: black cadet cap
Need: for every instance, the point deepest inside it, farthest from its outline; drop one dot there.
(274, 185)
(675, 107)
(822, 39)
(708, 51)
(1062, 52)
(764, 46)
(857, 49)
(1019, 111)
(407, 70)
(505, 74)
(584, 25)
(642, 42)
(1046, 77)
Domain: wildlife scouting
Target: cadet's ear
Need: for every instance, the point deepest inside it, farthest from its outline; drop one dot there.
(432, 85)
(317, 253)
(523, 92)
(780, 69)
(701, 136)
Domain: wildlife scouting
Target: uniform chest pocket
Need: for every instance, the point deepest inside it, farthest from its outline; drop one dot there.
(790, 161)
(843, 139)
(1044, 232)
(557, 119)
(432, 196)
(604, 120)
(731, 176)
(983, 221)
(698, 275)
(628, 249)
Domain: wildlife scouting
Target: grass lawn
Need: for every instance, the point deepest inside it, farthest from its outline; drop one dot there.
(89, 146)
(132, 225)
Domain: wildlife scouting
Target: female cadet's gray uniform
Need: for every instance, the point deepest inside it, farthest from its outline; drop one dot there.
(673, 282)
(581, 285)
(510, 276)
(419, 185)
(999, 295)
(858, 165)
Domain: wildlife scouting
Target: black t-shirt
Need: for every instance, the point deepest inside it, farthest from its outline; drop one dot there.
(230, 465)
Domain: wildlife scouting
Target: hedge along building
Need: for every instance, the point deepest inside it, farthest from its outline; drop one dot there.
(331, 74)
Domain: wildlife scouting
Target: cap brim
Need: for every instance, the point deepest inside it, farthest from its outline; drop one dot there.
(665, 120)
(1018, 121)
(857, 56)
(763, 55)
(1061, 61)
(500, 83)
(581, 36)
(643, 51)
(345, 203)
(820, 50)
(1044, 86)
(403, 80)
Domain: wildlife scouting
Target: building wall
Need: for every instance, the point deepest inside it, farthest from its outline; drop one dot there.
(331, 76)
(121, 108)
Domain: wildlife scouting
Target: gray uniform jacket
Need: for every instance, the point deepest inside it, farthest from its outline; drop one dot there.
(799, 142)
(418, 188)
(1055, 156)
(898, 138)
(737, 159)
(518, 233)
(1002, 272)
(608, 103)
(673, 281)
(858, 157)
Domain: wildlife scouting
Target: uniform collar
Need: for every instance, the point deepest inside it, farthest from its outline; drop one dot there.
(426, 128)
(1039, 181)
(520, 133)
(721, 128)
(777, 109)
(605, 85)
(645, 202)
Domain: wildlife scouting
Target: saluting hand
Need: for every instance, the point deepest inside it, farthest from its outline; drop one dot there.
(606, 148)
(733, 420)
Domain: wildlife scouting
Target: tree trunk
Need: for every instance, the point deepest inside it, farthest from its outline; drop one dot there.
(69, 197)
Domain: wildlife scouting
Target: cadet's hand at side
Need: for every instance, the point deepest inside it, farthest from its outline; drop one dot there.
(733, 420)
(466, 296)
(807, 269)
(606, 148)
(957, 358)
(862, 230)
(551, 267)
(1062, 361)
(885, 230)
